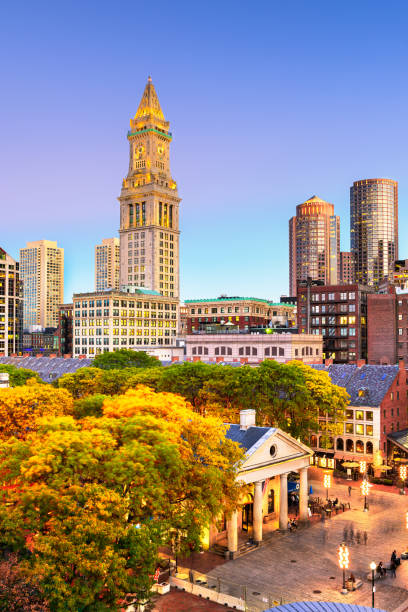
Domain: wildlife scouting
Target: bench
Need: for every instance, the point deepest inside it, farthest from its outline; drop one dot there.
(377, 575)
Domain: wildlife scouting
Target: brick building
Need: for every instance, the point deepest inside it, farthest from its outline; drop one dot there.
(339, 314)
(347, 268)
(64, 331)
(237, 314)
(387, 326)
(378, 408)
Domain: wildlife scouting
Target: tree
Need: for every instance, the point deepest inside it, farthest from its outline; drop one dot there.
(89, 406)
(125, 358)
(21, 407)
(18, 376)
(17, 594)
(93, 499)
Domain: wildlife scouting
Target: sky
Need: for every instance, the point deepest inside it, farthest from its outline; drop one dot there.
(269, 103)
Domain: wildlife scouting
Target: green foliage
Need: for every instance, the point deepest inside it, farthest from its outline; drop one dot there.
(18, 376)
(125, 358)
(382, 481)
(90, 406)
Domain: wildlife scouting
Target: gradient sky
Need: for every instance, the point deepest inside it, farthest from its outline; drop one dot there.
(269, 103)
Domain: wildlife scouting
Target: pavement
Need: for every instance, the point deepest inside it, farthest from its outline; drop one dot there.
(303, 565)
(179, 601)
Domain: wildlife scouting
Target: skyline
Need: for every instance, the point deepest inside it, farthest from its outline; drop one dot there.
(339, 116)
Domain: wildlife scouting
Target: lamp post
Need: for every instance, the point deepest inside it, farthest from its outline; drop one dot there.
(327, 484)
(363, 467)
(365, 489)
(343, 564)
(372, 567)
(403, 475)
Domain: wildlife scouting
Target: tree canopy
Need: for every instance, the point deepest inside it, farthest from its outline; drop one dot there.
(125, 358)
(93, 498)
(18, 376)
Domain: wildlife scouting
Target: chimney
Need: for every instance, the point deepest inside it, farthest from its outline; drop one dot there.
(4, 379)
(247, 419)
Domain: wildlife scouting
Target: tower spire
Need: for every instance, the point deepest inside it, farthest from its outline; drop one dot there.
(149, 104)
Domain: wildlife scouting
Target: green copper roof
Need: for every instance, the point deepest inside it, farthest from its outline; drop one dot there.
(167, 135)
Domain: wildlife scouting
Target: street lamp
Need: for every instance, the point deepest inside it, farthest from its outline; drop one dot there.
(363, 467)
(365, 489)
(343, 564)
(372, 567)
(403, 475)
(327, 484)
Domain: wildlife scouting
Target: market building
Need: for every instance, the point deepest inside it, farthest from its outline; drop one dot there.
(270, 456)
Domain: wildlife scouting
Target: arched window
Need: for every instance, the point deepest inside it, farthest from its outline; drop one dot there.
(329, 443)
(131, 217)
(349, 446)
(171, 215)
(369, 448)
(359, 446)
(313, 441)
(339, 444)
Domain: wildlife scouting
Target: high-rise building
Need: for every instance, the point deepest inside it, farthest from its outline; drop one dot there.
(107, 268)
(149, 204)
(346, 268)
(314, 244)
(42, 273)
(11, 303)
(374, 229)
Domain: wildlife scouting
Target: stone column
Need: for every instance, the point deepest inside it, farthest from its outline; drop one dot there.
(258, 499)
(232, 534)
(283, 502)
(303, 495)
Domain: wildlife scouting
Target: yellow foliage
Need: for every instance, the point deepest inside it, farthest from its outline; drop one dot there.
(22, 407)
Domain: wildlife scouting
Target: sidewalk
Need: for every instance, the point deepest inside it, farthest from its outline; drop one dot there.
(179, 601)
(355, 484)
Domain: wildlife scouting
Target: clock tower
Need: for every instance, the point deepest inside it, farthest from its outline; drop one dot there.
(149, 203)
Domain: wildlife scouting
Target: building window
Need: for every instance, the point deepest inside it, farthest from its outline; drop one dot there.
(369, 448)
(340, 444)
(359, 446)
(349, 446)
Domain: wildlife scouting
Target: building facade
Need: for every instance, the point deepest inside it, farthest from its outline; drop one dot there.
(40, 342)
(64, 331)
(346, 268)
(107, 264)
(387, 326)
(225, 313)
(42, 274)
(339, 314)
(374, 229)
(254, 348)
(378, 407)
(133, 319)
(11, 306)
(149, 204)
(314, 244)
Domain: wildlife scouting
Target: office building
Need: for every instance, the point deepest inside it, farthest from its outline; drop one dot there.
(42, 273)
(374, 229)
(138, 319)
(149, 204)
(227, 314)
(11, 306)
(339, 314)
(107, 266)
(314, 244)
(346, 268)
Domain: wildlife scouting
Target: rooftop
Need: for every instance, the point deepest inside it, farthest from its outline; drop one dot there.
(247, 438)
(239, 299)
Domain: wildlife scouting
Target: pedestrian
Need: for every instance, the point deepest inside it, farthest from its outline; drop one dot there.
(358, 537)
(365, 538)
(349, 490)
(345, 534)
(351, 532)
(393, 567)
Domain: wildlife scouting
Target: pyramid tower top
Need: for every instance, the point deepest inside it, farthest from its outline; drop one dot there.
(149, 104)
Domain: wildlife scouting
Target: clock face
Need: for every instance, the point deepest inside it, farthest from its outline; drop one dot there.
(160, 150)
(139, 151)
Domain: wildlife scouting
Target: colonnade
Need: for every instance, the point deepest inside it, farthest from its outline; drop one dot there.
(232, 527)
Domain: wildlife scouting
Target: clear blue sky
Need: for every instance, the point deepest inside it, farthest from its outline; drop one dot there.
(269, 103)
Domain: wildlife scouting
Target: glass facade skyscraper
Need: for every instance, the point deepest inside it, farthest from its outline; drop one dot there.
(374, 229)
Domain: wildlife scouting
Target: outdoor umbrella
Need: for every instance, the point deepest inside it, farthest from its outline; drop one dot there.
(351, 464)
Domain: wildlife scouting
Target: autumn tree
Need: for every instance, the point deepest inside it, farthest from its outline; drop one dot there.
(96, 497)
(17, 594)
(21, 407)
(19, 376)
(125, 358)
